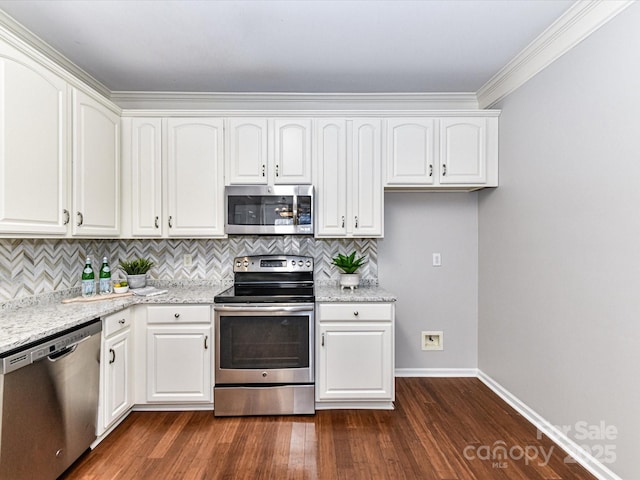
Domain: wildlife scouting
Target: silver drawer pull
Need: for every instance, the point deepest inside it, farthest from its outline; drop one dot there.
(177, 315)
(122, 321)
(355, 314)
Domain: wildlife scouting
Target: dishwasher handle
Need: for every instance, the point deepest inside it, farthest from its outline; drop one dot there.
(60, 354)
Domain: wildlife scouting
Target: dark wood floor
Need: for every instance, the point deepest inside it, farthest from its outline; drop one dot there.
(442, 428)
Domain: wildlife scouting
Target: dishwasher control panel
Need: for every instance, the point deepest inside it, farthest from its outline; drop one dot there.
(32, 352)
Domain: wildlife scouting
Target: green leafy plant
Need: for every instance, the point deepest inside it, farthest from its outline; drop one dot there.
(348, 264)
(138, 266)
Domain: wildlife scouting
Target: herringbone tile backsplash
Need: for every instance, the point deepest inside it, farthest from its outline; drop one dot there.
(34, 266)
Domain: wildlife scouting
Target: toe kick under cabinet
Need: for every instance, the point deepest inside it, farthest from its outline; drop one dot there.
(355, 355)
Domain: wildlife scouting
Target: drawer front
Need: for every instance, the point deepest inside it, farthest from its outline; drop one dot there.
(355, 311)
(115, 322)
(179, 314)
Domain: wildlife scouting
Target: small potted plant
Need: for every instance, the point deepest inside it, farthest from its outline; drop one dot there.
(136, 271)
(349, 264)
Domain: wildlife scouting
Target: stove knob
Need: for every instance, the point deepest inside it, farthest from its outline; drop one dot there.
(293, 263)
(238, 264)
(308, 263)
(300, 263)
(246, 263)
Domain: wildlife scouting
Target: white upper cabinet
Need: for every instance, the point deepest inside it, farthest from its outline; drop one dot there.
(292, 151)
(247, 151)
(146, 177)
(348, 178)
(33, 150)
(463, 150)
(268, 151)
(173, 177)
(449, 153)
(410, 151)
(195, 179)
(96, 168)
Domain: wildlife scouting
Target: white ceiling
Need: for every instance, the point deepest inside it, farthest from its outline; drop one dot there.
(311, 46)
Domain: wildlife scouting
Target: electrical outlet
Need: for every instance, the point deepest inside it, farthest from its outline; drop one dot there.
(437, 260)
(433, 340)
(187, 259)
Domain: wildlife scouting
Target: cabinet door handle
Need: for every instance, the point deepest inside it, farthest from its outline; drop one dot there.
(343, 221)
(322, 340)
(444, 170)
(67, 217)
(355, 314)
(156, 222)
(277, 170)
(264, 168)
(113, 355)
(170, 221)
(80, 219)
(206, 340)
(356, 221)
(431, 170)
(122, 321)
(177, 315)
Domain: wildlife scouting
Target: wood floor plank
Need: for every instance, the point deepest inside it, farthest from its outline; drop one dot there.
(441, 429)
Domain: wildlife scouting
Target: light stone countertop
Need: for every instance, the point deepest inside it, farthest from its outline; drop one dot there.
(30, 323)
(46, 315)
(364, 293)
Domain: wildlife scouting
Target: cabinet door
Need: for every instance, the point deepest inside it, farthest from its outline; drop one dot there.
(355, 361)
(410, 151)
(365, 217)
(33, 150)
(463, 150)
(247, 151)
(292, 151)
(117, 394)
(330, 171)
(146, 176)
(194, 179)
(179, 364)
(96, 168)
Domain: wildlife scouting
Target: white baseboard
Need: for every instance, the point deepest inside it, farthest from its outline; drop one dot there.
(581, 456)
(436, 372)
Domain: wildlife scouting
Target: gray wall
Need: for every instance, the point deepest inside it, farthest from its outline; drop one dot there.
(559, 242)
(432, 298)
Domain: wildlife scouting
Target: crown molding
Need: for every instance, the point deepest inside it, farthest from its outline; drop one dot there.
(576, 24)
(292, 101)
(20, 37)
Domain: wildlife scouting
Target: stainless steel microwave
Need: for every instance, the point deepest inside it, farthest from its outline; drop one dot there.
(269, 210)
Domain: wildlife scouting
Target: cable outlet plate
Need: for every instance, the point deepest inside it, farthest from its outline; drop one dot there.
(433, 340)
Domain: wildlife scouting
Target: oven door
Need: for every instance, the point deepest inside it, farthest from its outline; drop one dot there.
(264, 344)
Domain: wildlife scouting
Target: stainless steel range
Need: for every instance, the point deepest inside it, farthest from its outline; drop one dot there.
(264, 337)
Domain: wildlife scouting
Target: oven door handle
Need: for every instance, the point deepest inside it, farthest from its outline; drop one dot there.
(261, 308)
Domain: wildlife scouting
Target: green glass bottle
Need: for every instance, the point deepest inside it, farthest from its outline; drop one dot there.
(88, 280)
(105, 277)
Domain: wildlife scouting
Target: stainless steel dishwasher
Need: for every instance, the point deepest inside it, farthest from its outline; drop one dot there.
(49, 403)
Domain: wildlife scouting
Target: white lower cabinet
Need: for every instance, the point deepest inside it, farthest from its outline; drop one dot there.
(354, 355)
(116, 394)
(178, 353)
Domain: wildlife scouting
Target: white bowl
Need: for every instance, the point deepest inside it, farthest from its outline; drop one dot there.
(121, 289)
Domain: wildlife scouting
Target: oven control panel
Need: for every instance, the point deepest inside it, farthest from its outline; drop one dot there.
(273, 263)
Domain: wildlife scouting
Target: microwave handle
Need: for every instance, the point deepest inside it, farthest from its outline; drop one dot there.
(295, 210)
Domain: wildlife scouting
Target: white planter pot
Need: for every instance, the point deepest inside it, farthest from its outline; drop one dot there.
(349, 280)
(137, 281)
